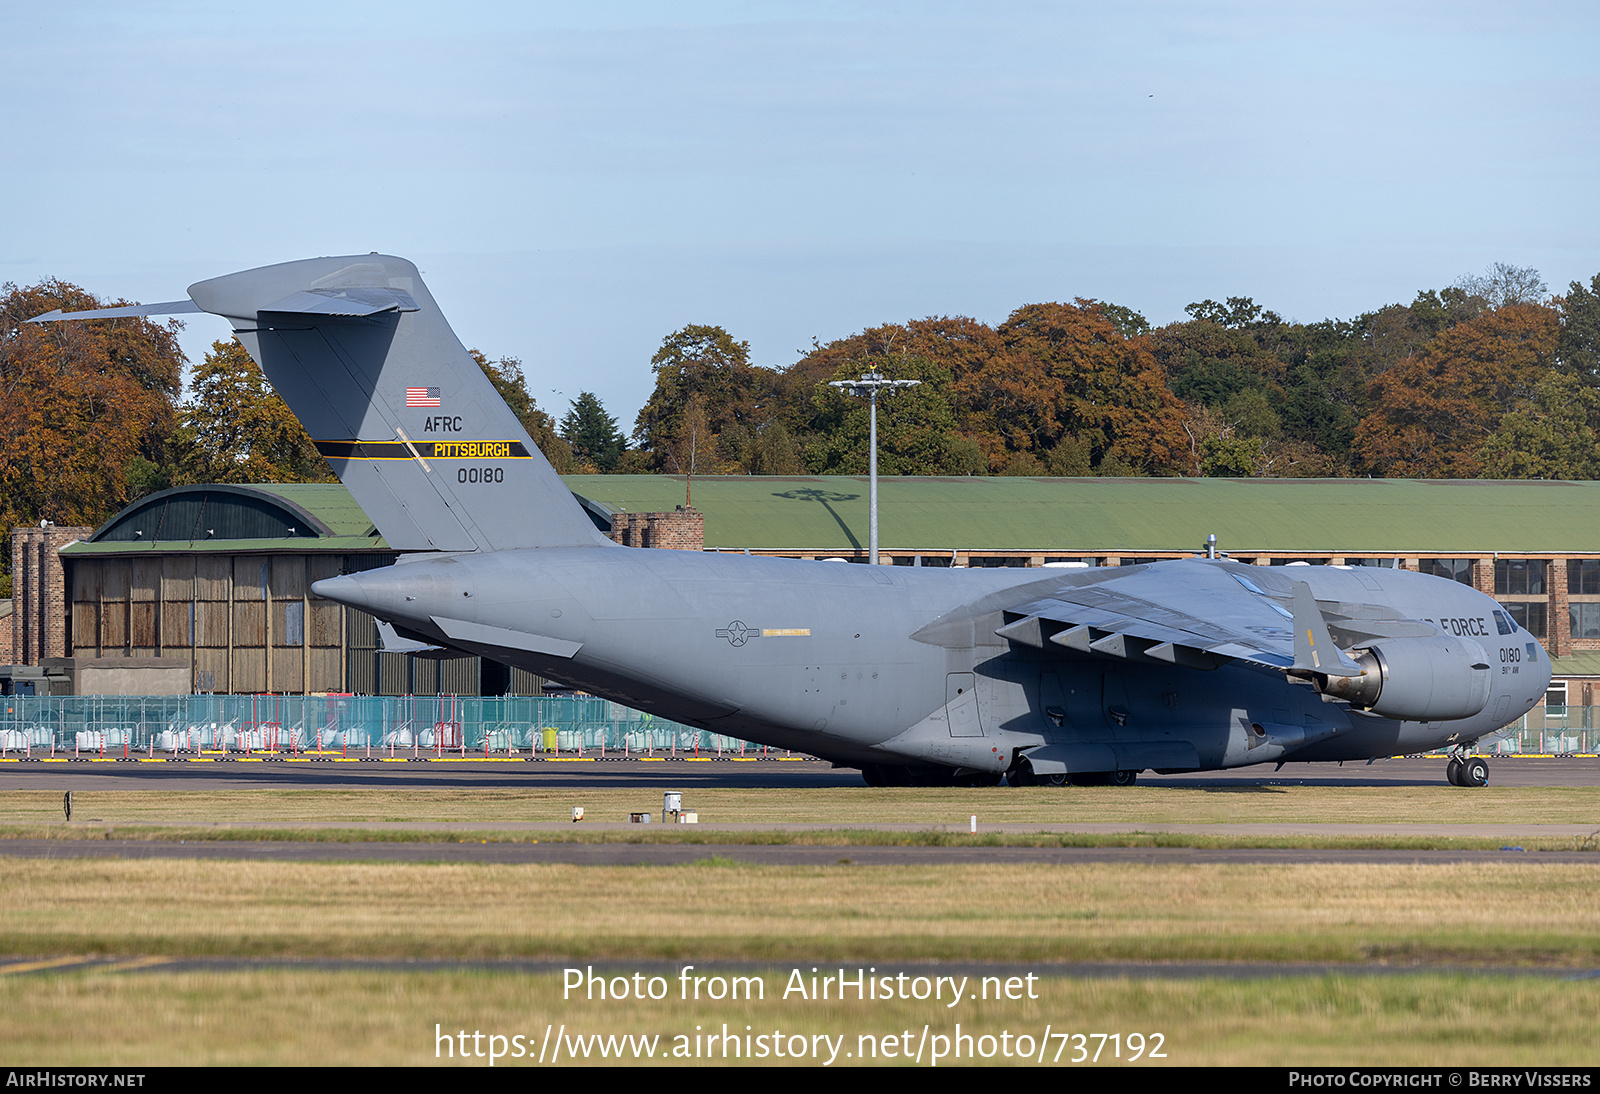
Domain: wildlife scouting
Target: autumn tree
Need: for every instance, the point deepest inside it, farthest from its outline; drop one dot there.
(236, 428)
(84, 406)
(1434, 411)
(1113, 397)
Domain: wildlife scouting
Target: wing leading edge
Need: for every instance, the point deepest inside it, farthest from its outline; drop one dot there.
(1189, 612)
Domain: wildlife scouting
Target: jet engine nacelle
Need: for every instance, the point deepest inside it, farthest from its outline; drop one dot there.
(1416, 679)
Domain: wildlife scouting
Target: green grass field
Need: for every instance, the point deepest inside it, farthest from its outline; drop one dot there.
(357, 1017)
(1501, 914)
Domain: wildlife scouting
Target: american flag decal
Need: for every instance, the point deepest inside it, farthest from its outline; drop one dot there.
(422, 396)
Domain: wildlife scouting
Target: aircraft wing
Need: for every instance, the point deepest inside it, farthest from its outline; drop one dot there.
(1195, 614)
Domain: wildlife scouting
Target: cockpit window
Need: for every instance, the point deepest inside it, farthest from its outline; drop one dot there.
(1533, 652)
(1502, 621)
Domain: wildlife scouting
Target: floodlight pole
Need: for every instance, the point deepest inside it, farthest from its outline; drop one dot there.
(870, 384)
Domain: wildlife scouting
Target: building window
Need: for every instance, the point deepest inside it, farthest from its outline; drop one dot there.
(1583, 576)
(1519, 577)
(1585, 620)
(1530, 616)
(1456, 569)
(1299, 562)
(294, 623)
(1386, 563)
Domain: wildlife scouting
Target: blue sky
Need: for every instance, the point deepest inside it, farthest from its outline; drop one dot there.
(576, 181)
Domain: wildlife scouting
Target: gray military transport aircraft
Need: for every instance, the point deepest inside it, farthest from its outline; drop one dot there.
(913, 675)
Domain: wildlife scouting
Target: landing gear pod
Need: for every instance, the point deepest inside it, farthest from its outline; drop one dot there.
(1417, 679)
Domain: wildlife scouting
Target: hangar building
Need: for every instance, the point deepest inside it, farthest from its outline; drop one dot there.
(218, 578)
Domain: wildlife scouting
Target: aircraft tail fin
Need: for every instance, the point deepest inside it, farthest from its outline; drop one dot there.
(407, 419)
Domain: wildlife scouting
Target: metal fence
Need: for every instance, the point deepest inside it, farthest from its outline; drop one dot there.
(439, 725)
(1553, 730)
(415, 725)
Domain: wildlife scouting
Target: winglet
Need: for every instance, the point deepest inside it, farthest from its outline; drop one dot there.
(1314, 650)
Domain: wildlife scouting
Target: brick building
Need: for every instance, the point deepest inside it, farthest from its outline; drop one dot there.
(682, 529)
(37, 628)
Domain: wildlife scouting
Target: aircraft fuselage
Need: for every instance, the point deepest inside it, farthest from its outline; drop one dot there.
(820, 657)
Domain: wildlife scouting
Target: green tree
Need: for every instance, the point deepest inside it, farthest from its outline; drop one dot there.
(1550, 436)
(705, 366)
(237, 429)
(1227, 456)
(915, 425)
(945, 352)
(593, 434)
(773, 452)
(1578, 351)
(1239, 313)
(507, 377)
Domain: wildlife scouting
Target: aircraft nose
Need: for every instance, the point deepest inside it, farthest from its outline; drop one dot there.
(345, 589)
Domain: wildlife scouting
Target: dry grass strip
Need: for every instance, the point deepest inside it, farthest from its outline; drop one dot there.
(827, 806)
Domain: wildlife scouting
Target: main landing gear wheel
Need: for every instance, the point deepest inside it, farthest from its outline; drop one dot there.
(1124, 778)
(1472, 771)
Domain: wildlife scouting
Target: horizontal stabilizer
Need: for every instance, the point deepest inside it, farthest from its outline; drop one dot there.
(347, 302)
(172, 307)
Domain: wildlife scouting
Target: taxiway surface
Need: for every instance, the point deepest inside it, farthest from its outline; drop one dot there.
(682, 773)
